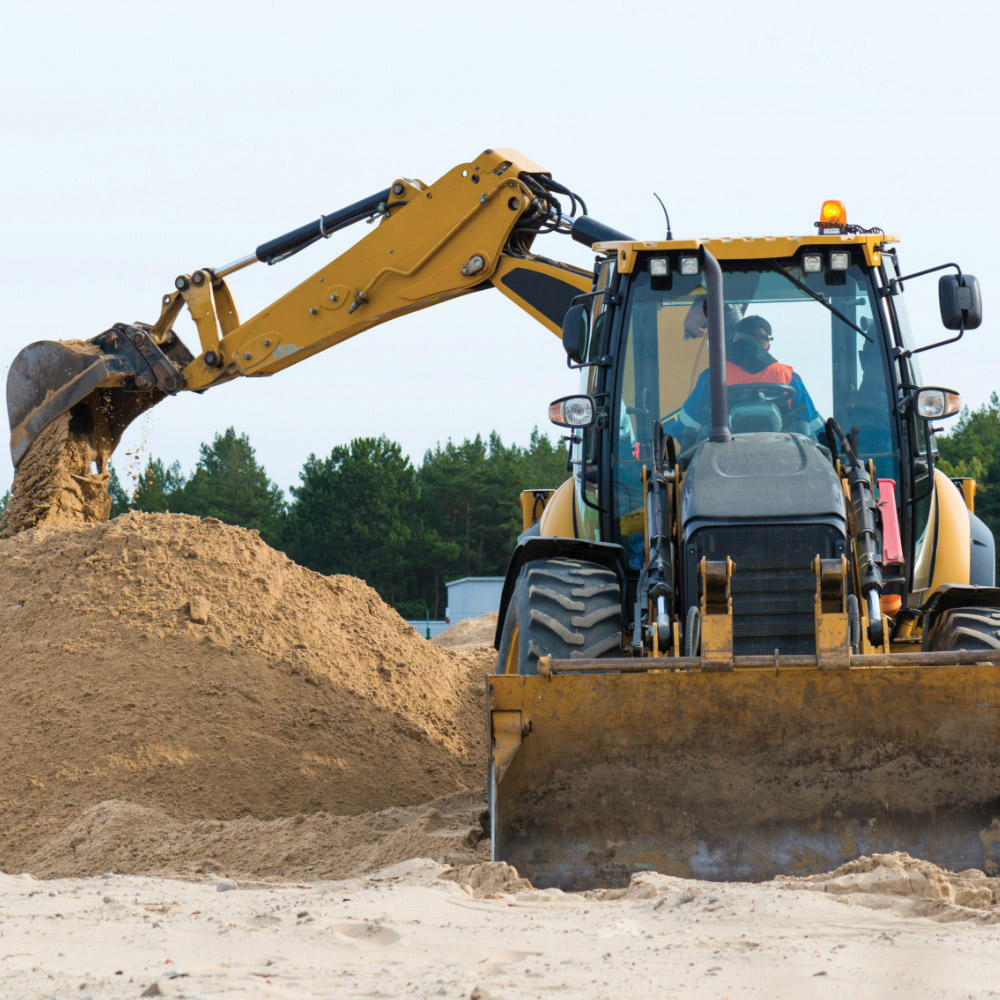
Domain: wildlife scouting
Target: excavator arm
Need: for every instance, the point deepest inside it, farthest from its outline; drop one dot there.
(69, 402)
(434, 243)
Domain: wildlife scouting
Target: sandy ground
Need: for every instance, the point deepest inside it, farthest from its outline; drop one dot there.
(407, 931)
(185, 711)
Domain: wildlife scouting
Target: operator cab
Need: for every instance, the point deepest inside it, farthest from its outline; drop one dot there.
(792, 361)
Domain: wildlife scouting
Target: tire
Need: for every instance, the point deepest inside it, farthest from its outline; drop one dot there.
(966, 628)
(564, 608)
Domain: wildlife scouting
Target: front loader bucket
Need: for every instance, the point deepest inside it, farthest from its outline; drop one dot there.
(743, 775)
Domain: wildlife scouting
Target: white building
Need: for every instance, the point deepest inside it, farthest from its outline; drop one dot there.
(473, 597)
(470, 597)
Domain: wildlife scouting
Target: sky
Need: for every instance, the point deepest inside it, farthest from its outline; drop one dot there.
(142, 141)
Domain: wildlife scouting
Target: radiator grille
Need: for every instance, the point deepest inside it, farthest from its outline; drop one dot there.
(774, 584)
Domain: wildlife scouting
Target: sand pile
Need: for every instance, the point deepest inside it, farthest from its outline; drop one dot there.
(909, 887)
(182, 666)
(469, 632)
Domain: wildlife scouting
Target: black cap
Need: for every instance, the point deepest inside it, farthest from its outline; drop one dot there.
(749, 325)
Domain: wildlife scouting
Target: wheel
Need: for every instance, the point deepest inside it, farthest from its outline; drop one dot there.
(966, 628)
(564, 608)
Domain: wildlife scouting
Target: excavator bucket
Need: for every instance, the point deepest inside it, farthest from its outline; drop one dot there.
(104, 384)
(68, 403)
(742, 774)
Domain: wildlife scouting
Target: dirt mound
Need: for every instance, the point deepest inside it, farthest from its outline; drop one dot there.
(182, 665)
(130, 839)
(469, 632)
(908, 886)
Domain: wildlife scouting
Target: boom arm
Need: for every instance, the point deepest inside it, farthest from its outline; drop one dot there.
(432, 244)
(472, 229)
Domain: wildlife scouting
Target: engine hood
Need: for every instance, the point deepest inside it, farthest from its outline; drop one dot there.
(761, 476)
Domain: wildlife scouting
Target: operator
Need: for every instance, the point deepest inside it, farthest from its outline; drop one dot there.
(747, 361)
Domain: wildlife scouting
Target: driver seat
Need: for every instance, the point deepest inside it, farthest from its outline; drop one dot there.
(749, 418)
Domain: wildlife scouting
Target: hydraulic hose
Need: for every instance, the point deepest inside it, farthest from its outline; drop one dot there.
(867, 547)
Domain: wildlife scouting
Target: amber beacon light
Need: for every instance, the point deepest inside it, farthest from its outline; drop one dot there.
(833, 215)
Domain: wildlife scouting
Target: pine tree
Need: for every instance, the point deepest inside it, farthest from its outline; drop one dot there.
(120, 502)
(229, 483)
(973, 449)
(158, 488)
(356, 512)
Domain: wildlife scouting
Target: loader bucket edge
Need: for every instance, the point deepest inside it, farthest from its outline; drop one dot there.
(744, 775)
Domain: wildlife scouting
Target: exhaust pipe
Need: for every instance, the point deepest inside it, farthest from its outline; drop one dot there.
(716, 347)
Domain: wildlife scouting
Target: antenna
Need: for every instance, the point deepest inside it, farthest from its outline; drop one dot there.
(670, 235)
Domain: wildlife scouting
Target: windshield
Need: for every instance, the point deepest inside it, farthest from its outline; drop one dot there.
(792, 362)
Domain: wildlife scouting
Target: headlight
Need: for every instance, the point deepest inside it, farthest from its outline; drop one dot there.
(935, 403)
(572, 411)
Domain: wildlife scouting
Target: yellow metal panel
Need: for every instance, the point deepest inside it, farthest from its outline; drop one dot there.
(533, 506)
(520, 162)
(953, 548)
(413, 259)
(746, 248)
(969, 489)
(199, 302)
(557, 518)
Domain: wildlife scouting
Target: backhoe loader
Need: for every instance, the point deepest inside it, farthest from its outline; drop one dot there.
(756, 631)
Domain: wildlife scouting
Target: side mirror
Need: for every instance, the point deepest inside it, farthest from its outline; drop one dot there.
(961, 302)
(576, 323)
(573, 411)
(935, 403)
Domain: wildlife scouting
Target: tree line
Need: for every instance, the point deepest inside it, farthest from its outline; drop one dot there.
(973, 449)
(365, 509)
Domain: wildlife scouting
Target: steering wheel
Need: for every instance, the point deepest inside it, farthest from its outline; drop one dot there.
(777, 393)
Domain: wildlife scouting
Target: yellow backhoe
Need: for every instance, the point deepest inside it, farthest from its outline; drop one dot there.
(757, 630)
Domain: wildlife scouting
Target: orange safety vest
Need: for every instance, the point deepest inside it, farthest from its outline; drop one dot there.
(777, 373)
